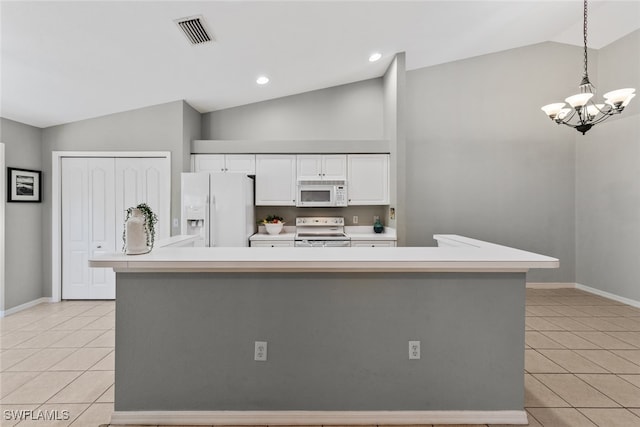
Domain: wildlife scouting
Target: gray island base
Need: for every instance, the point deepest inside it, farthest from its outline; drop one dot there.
(337, 343)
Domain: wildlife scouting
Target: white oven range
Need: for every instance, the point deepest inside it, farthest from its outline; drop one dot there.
(321, 232)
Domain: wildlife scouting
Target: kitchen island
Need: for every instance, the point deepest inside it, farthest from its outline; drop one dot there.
(337, 323)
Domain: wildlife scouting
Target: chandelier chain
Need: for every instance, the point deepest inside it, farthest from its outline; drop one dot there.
(584, 32)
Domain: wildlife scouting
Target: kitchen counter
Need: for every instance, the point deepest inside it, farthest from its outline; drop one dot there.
(365, 232)
(476, 255)
(337, 322)
(287, 233)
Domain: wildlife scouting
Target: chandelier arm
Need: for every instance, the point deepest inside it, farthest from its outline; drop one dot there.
(566, 120)
(601, 119)
(586, 112)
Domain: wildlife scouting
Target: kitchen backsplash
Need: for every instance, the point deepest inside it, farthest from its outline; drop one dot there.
(365, 214)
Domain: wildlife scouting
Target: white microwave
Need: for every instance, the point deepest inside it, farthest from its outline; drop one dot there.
(321, 194)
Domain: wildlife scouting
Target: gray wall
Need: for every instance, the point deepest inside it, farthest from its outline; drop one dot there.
(191, 131)
(23, 238)
(348, 112)
(365, 214)
(351, 111)
(336, 341)
(155, 128)
(484, 161)
(394, 84)
(608, 183)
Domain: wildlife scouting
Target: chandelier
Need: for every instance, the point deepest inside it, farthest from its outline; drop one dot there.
(585, 112)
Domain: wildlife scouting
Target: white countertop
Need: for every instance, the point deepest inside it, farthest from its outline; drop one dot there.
(358, 232)
(365, 232)
(471, 255)
(287, 233)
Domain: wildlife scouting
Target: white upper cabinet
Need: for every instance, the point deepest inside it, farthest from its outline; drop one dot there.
(241, 163)
(245, 163)
(207, 163)
(368, 181)
(275, 180)
(314, 167)
(334, 167)
(309, 167)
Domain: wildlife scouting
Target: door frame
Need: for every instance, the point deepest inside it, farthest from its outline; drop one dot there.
(3, 201)
(56, 204)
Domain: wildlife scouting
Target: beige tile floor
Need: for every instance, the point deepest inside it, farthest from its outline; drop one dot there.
(582, 361)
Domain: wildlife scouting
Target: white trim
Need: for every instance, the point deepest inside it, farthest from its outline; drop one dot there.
(317, 417)
(550, 285)
(3, 198)
(608, 295)
(24, 306)
(56, 205)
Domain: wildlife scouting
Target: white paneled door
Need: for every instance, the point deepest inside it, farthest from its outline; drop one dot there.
(88, 226)
(95, 195)
(143, 180)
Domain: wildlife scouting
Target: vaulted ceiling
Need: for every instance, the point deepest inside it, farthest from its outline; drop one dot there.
(67, 61)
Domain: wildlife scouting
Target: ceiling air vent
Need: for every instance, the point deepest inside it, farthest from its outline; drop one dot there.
(194, 29)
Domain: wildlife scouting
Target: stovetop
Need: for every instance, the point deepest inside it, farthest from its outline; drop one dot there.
(320, 228)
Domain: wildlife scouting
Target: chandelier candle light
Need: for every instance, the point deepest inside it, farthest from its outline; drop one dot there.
(586, 112)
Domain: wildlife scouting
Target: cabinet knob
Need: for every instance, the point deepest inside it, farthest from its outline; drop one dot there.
(99, 247)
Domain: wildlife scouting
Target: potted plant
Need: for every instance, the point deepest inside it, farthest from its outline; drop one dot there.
(139, 232)
(272, 223)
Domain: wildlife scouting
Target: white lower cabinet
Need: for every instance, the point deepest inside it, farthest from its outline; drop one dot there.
(272, 244)
(373, 243)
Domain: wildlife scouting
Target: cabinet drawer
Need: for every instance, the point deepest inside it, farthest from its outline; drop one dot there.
(272, 244)
(373, 243)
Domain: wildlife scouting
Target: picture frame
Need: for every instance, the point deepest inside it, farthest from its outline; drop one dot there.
(24, 185)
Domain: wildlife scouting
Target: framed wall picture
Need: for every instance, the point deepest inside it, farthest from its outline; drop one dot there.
(24, 185)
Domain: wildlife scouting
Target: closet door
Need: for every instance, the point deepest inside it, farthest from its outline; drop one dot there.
(144, 180)
(88, 227)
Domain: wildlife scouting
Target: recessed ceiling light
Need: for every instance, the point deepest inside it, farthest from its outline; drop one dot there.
(262, 80)
(375, 56)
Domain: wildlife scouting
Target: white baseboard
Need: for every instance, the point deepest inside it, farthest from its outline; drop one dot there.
(567, 285)
(24, 306)
(550, 285)
(608, 295)
(317, 417)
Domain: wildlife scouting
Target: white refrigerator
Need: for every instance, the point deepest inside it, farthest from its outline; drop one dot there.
(219, 207)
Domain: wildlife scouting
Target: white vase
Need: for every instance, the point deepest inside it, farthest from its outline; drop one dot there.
(136, 234)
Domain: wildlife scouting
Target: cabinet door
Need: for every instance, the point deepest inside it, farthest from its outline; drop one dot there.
(208, 163)
(309, 167)
(88, 227)
(275, 180)
(368, 182)
(244, 163)
(334, 167)
(145, 180)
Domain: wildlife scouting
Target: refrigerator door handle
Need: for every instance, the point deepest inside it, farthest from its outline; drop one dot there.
(212, 220)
